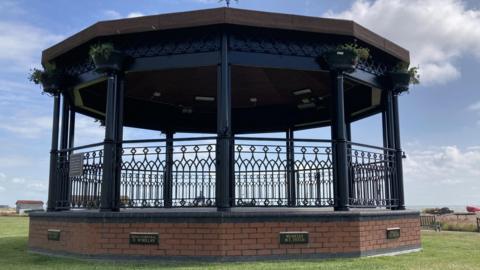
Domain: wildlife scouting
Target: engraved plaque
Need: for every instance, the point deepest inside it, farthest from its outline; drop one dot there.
(393, 233)
(293, 237)
(53, 235)
(76, 165)
(141, 238)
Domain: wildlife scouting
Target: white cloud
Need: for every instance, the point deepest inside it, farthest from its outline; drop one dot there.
(475, 107)
(26, 125)
(442, 174)
(2, 189)
(135, 14)
(437, 32)
(2, 177)
(18, 180)
(21, 45)
(114, 15)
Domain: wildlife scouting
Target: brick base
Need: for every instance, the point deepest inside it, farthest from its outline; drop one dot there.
(234, 235)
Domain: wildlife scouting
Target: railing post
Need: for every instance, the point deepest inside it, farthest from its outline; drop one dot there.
(53, 154)
(291, 193)
(351, 176)
(224, 130)
(398, 153)
(110, 196)
(168, 179)
(340, 169)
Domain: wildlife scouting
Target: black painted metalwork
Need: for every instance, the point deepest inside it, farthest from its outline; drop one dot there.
(111, 177)
(52, 196)
(398, 154)
(224, 129)
(145, 173)
(83, 191)
(168, 178)
(260, 172)
(373, 171)
(339, 144)
(71, 129)
(62, 178)
(290, 148)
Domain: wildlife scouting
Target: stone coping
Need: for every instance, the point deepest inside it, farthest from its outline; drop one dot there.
(211, 215)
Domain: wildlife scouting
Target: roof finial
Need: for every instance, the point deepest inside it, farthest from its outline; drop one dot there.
(227, 2)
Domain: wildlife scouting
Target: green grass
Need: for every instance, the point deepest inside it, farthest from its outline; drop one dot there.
(445, 250)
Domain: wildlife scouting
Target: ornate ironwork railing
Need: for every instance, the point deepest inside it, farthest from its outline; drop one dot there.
(145, 172)
(372, 176)
(80, 189)
(266, 172)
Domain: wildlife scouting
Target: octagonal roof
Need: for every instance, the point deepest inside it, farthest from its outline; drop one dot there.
(226, 16)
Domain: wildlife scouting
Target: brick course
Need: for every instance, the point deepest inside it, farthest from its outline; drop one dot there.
(223, 239)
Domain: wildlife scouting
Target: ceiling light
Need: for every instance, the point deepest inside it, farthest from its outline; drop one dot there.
(306, 100)
(199, 98)
(302, 92)
(187, 110)
(306, 106)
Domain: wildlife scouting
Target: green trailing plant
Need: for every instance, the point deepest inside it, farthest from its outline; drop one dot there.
(403, 67)
(360, 52)
(101, 50)
(48, 77)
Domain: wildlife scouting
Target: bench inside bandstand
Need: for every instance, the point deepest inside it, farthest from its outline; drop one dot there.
(228, 192)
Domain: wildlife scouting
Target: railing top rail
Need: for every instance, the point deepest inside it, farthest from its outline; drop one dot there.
(370, 146)
(80, 147)
(175, 140)
(280, 139)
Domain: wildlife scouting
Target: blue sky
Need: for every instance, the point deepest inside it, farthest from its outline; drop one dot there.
(440, 119)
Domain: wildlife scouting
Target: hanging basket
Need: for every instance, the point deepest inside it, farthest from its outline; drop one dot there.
(341, 60)
(114, 62)
(51, 83)
(400, 81)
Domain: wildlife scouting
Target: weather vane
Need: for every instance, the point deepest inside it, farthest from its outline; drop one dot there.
(227, 2)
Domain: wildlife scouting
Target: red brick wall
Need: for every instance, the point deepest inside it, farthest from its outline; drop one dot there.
(226, 239)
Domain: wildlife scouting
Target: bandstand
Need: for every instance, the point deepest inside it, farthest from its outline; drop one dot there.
(224, 194)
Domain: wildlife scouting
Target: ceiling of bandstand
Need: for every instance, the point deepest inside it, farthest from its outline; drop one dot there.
(263, 100)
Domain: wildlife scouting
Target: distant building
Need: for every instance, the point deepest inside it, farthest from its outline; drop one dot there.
(3, 206)
(28, 205)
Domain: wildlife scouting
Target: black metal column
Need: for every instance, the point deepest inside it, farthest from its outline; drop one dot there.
(224, 130)
(398, 153)
(53, 154)
(62, 179)
(168, 178)
(110, 195)
(119, 104)
(340, 166)
(388, 120)
(71, 129)
(351, 183)
(290, 149)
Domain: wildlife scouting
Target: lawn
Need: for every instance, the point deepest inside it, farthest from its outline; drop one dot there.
(445, 250)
